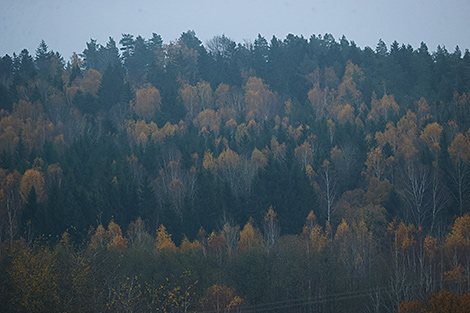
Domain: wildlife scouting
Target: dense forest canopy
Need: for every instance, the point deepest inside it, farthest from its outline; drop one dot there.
(290, 170)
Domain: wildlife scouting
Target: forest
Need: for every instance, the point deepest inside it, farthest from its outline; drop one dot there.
(283, 175)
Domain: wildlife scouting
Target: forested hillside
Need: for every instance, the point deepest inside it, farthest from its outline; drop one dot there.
(300, 175)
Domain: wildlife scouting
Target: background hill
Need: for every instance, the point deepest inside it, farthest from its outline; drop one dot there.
(298, 168)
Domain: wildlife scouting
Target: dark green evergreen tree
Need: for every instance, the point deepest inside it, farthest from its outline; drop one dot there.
(112, 88)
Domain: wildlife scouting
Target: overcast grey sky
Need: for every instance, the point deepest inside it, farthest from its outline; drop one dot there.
(66, 25)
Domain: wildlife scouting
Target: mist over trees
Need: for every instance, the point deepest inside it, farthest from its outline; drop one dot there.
(299, 174)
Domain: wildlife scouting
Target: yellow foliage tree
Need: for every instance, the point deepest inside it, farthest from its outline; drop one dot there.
(147, 101)
(163, 241)
(91, 81)
(115, 238)
(404, 235)
(25, 109)
(458, 241)
(220, 298)
(231, 234)
(331, 130)
(423, 110)
(228, 160)
(249, 237)
(169, 130)
(174, 295)
(259, 99)
(205, 95)
(375, 163)
(346, 114)
(221, 95)
(378, 191)
(295, 133)
(98, 239)
(217, 245)
(271, 227)
(390, 136)
(318, 238)
(32, 177)
(278, 150)
(10, 128)
(318, 100)
(347, 90)
(137, 234)
(443, 301)
(242, 133)
(32, 273)
(187, 245)
(111, 238)
(258, 158)
(304, 154)
(209, 161)
(459, 149)
(431, 135)
(54, 175)
(209, 119)
(342, 231)
(188, 94)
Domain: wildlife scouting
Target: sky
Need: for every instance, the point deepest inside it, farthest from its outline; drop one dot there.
(67, 25)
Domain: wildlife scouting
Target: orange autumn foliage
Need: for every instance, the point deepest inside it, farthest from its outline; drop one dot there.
(443, 301)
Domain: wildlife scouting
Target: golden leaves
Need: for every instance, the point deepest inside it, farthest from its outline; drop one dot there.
(217, 244)
(116, 240)
(316, 98)
(110, 239)
(443, 301)
(208, 161)
(431, 246)
(271, 215)
(228, 160)
(242, 133)
(346, 114)
(198, 98)
(259, 99)
(208, 119)
(375, 163)
(295, 132)
(175, 294)
(32, 178)
(221, 95)
(404, 235)
(304, 154)
(187, 245)
(459, 238)
(459, 150)
(163, 241)
(249, 237)
(278, 150)
(33, 275)
(220, 298)
(383, 108)
(33, 131)
(147, 102)
(431, 135)
(258, 158)
(139, 132)
(91, 82)
(342, 231)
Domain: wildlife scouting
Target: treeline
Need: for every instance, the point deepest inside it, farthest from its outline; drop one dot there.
(198, 136)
